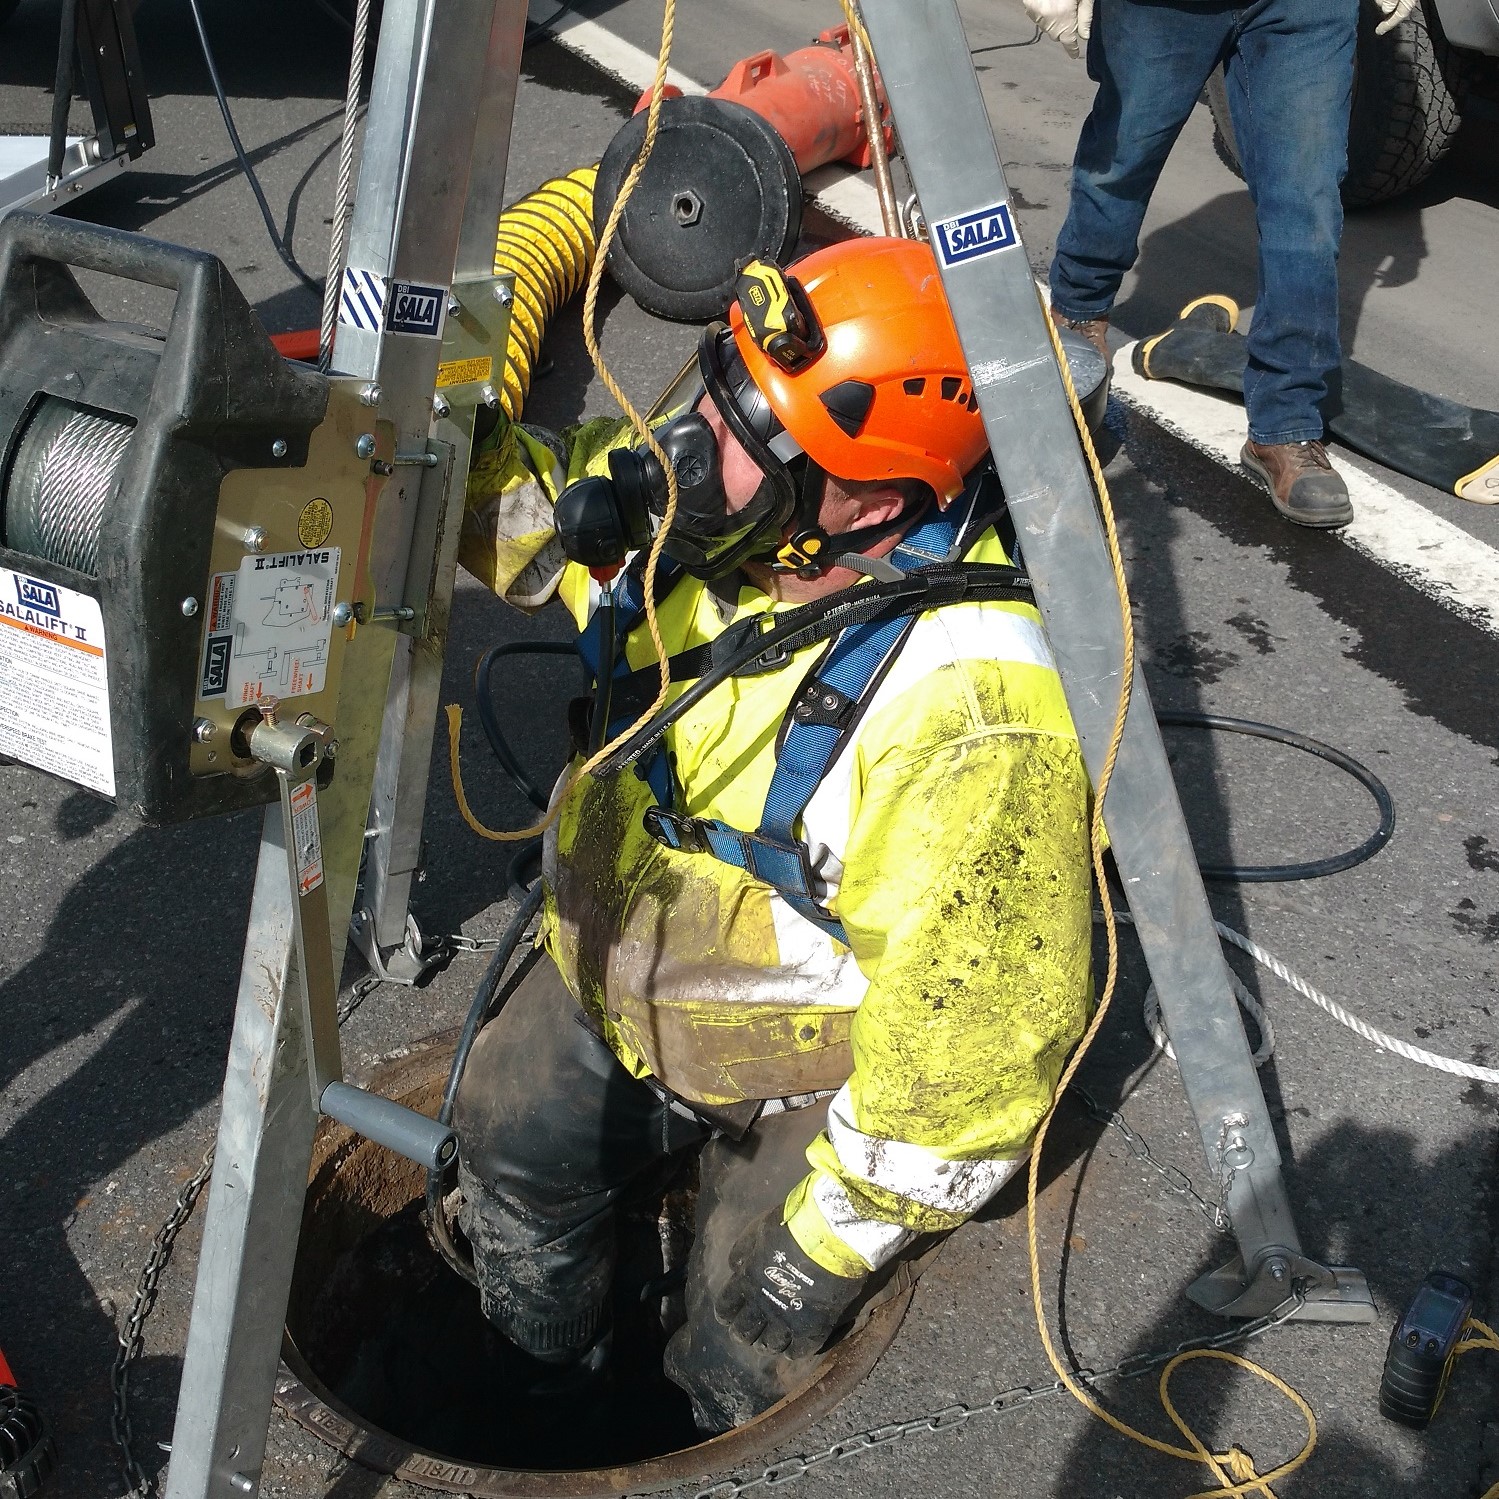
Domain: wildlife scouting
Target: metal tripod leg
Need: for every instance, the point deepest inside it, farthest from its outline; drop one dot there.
(434, 156)
(949, 149)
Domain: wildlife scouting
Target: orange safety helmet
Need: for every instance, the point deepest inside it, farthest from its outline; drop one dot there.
(873, 383)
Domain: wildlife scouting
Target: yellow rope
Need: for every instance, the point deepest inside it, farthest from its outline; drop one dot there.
(590, 338)
(1233, 1470)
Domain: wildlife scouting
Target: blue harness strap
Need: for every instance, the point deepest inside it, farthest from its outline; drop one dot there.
(629, 606)
(825, 710)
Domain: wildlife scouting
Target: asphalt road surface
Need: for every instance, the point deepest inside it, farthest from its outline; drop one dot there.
(122, 950)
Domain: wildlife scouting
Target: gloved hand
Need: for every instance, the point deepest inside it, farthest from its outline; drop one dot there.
(1071, 21)
(1394, 12)
(777, 1297)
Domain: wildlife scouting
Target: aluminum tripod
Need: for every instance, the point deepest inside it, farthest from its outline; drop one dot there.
(949, 149)
(424, 223)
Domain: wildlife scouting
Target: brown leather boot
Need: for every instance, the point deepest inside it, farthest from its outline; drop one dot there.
(1094, 329)
(1304, 485)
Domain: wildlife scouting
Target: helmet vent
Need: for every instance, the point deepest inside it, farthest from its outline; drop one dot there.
(848, 404)
(951, 385)
(915, 386)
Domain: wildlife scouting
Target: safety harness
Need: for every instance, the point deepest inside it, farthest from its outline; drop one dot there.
(820, 721)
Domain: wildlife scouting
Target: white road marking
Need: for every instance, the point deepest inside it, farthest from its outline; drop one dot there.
(1400, 534)
(1427, 551)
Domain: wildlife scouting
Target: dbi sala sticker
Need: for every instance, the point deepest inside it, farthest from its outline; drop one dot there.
(971, 235)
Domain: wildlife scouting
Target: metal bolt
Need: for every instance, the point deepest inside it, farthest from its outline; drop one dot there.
(1277, 1268)
(370, 394)
(440, 406)
(189, 606)
(686, 207)
(240, 1481)
(330, 749)
(255, 539)
(454, 307)
(204, 729)
(343, 614)
(502, 294)
(364, 445)
(270, 708)
(278, 448)
(488, 396)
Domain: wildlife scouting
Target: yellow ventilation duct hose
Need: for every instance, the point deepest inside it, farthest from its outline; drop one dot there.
(546, 242)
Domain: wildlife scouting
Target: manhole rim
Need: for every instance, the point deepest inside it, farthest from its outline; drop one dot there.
(302, 1398)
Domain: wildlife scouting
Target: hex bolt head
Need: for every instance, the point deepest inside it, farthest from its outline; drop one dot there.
(255, 539)
(204, 729)
(370, 394)
(686, 207)
(278, 448)
(440, 406)
(488, 395)
(364, 445)
(343, 613)
(189, 607)
(454, 306)
(503, 294)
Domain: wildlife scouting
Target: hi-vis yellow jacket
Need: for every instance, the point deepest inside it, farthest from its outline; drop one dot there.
(950, 835)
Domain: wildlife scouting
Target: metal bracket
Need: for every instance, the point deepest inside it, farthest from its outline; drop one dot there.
(295, 752)
(1334, 1293)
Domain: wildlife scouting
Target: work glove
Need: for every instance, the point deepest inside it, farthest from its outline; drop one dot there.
(1071, 21)
(777, 1297)
(1394, 12)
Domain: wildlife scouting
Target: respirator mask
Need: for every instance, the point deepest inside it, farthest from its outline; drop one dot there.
(600, 520)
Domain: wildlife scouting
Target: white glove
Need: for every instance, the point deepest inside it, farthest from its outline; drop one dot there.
(1071, 21)
(1394, 12)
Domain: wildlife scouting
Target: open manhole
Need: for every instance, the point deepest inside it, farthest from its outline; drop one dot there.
(387, 1356)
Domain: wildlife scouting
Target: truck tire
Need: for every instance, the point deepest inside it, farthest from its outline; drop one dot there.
(1408, 90)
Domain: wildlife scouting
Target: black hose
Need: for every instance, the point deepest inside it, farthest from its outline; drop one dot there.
(970, 582)
(62, 88)
(603, 690)
(1311, 869)
(479, 1012)
(485, 702)
(244, 160)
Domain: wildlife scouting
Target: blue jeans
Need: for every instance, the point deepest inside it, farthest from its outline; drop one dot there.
(1289, 68)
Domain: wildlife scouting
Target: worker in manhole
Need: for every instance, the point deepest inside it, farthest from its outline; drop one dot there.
(831, 928)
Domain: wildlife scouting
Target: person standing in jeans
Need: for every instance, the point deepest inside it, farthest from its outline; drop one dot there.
(1289, 70)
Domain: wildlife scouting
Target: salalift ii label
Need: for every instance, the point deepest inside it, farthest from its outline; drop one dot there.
(54, 681)
(971, 235)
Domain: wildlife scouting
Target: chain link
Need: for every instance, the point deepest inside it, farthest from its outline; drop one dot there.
(950, 1417)
(139, 1483)
(1174, 1177)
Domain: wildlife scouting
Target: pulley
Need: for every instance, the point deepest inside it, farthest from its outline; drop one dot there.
(721, 187)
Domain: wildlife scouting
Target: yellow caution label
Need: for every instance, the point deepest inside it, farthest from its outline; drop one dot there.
(315, 523)
(465, 371)
(1482, 485)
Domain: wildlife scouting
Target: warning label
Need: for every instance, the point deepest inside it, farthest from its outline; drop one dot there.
(306, 837)
(53, 681)
(281, 613)
(464, 371)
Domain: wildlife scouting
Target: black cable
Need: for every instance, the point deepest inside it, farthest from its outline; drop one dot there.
(1030, 41)
(485, 703)
(603, 693)
(967, 582)
(244, 160)
(1311, 869)
(482, 1008)
(62, 88)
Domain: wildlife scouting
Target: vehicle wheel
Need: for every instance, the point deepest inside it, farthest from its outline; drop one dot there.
(1408, 91)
